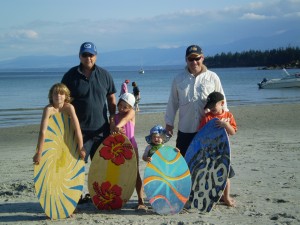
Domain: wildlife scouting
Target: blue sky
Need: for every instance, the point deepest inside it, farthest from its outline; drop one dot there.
(58, 27)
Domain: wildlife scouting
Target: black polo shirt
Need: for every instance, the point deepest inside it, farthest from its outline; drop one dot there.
(89, 97)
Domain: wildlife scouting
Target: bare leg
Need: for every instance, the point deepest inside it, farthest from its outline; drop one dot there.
(226, 196)
(139, 187)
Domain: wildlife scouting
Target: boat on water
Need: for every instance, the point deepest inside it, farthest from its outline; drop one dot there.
(141, 71)
(287, 81)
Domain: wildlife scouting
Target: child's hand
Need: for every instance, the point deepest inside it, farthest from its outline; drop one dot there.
(82, 153)
(221, 123)
(149, 159)
(225, 124)
(177, 150)
(115, 129)
(36, 158)
(119, 130)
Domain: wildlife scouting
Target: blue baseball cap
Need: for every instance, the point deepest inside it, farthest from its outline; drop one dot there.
(88, 47)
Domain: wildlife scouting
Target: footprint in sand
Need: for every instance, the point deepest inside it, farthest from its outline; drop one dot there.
(277, 216)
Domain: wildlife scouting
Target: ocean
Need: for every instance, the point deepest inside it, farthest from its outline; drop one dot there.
(23, 93)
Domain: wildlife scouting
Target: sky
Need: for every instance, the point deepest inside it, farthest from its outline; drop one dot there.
(58, 27)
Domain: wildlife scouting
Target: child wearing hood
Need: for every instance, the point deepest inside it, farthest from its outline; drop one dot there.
(156, 139)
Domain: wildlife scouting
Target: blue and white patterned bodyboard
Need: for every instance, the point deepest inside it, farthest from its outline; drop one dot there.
(208, 158)
(167, 181)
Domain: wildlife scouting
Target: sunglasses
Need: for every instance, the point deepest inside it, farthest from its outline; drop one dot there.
(85, 55)
(194, 59)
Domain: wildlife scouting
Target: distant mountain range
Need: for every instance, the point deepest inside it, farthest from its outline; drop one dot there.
(149, 56)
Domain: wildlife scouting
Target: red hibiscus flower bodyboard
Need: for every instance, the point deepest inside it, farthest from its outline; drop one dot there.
(112, 174)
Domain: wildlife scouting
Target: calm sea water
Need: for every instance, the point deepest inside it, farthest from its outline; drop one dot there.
(24, 93)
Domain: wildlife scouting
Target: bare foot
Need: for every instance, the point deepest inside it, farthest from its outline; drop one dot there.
(229, 201)
(142, 207)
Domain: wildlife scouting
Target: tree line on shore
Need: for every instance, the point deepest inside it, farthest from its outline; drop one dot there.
(288, 57)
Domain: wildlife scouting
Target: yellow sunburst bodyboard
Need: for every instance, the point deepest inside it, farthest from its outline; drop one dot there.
(59, 177)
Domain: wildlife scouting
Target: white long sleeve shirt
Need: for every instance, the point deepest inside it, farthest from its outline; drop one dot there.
(188, 95)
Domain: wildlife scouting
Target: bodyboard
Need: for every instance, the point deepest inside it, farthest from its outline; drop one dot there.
(167, 181)
(208, 158)
(113, 172)
(59, 177)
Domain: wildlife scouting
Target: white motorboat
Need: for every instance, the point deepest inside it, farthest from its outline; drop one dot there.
(287, 81)
(141, 71)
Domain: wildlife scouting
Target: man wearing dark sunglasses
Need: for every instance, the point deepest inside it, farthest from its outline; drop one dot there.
(91, 87)
(189, 92)
(93, 93)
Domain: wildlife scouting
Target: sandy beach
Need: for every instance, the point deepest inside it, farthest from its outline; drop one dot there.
(265, 157)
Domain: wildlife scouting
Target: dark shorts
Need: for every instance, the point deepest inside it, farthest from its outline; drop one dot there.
(91, 142)
(183, 141)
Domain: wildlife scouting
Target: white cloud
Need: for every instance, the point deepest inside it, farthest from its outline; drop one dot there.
(166, 46)
(256, 5)
(253, 16)
(23, 34)
(292, 15)
(294, 1)
(280, 31)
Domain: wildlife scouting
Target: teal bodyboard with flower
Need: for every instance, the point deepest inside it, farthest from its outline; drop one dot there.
(112, 174)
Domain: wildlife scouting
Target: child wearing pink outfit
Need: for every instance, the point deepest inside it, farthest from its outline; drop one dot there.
(125, 123)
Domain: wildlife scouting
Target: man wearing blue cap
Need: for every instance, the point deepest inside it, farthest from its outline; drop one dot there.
(188, 95)
(91, 86)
